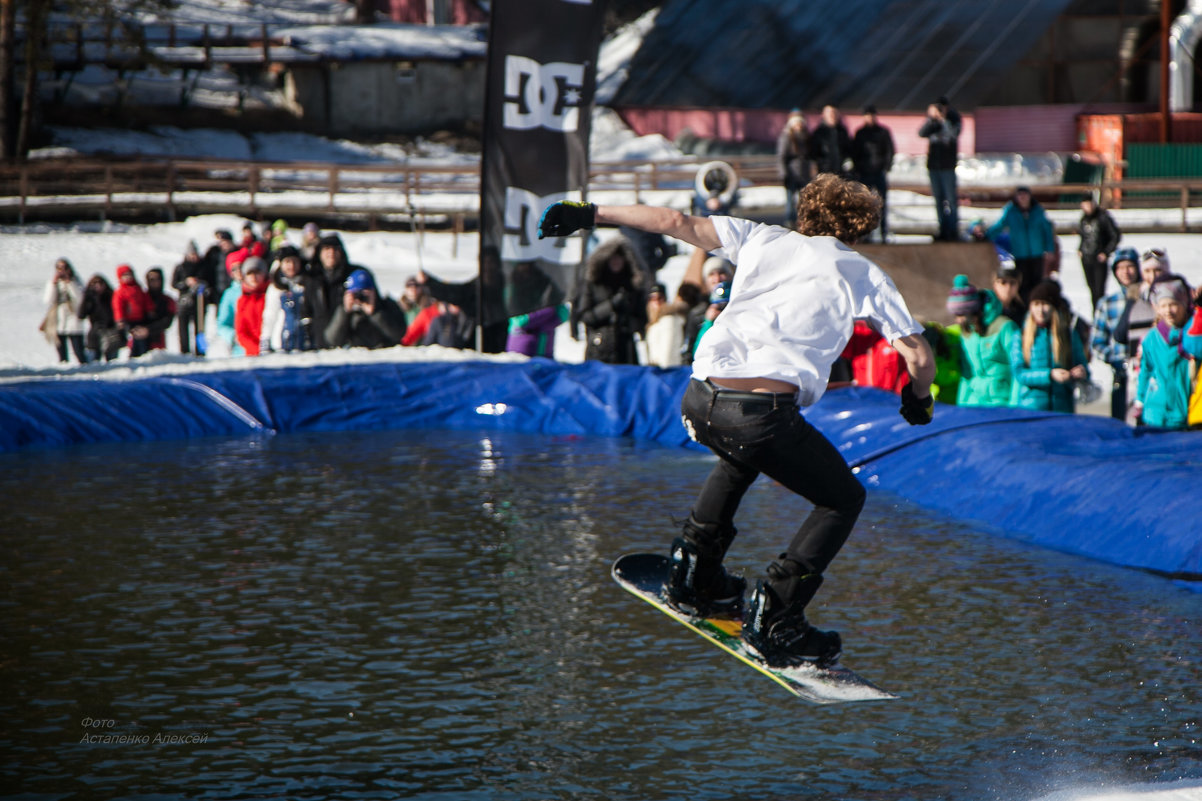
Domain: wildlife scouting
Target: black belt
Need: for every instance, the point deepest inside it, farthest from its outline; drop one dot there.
(773, 399)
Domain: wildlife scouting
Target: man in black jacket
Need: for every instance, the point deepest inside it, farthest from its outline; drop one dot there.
(872, 157)
(942, 131)
(195, 280)
(830, 144)
(1099, 237)
(362, 317)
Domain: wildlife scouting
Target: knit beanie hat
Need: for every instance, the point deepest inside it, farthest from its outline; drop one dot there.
(358, 281)
(1156, 256)
(964, 299)
(1173, 287)
(1048, 291)
(1124, 254)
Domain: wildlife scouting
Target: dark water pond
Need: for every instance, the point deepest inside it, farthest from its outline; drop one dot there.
(429, 615)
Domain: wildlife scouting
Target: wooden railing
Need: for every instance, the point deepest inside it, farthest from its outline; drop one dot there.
(166, 188)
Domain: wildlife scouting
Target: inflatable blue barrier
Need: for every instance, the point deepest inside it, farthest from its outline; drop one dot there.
(1081, 484)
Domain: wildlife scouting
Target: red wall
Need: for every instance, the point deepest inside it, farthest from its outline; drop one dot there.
(418, 11)
(763, 125)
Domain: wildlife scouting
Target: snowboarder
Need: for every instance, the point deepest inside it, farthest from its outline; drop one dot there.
(792, 304)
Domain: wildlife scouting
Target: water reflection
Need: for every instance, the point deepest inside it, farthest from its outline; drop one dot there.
(429, 614)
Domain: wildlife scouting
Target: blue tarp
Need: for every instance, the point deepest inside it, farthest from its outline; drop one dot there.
(1081, 484)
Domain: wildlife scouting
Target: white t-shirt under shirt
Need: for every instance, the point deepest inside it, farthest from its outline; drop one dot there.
(793, 303)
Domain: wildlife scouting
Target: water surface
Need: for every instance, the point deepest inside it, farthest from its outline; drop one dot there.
(429, 615)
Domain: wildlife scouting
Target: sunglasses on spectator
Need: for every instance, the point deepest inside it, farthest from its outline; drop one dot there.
(1154, 253)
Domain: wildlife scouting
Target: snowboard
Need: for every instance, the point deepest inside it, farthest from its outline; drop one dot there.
(643, 575)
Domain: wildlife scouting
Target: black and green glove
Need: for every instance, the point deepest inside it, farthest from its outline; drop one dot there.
(566, 217)
(917, 411)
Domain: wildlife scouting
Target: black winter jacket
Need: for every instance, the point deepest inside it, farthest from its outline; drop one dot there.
(1099, 234)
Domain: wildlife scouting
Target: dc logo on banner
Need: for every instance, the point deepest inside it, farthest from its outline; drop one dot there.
(542, 95)
(520, 240)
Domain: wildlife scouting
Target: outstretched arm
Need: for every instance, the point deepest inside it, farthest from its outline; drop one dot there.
(697, 231)
(567, 217)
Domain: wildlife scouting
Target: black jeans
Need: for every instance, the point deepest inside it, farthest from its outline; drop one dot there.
(947, 203)
(753, 433)
(76, 343)
(880, 182)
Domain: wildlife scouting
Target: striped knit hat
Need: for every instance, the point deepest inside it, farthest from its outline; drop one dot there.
(964, 299)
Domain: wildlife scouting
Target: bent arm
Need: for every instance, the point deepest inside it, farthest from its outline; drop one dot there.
(697, 231)
(920, 362)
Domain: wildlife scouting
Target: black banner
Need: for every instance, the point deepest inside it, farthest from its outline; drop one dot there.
(542, 74)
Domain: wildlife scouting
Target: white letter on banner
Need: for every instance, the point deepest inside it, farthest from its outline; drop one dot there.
(551, 95)
(520, 242)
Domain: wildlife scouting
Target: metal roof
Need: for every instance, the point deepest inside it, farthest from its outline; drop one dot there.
(897, 54)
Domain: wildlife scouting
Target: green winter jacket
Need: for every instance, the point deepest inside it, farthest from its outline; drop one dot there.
(985, 373)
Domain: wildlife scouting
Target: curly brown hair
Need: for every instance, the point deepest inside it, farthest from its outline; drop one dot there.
(838, 207)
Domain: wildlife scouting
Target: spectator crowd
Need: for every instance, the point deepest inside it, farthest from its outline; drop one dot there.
(1016, 342)
(262, 292)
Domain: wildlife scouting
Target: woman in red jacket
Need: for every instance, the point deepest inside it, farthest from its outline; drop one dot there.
(131, 308)
(248, 317)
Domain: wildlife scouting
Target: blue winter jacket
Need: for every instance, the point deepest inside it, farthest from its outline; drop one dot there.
(1030, 233)
(1033, 384)
(1164, 380)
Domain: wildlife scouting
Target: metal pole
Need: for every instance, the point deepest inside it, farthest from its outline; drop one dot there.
(1166, 19)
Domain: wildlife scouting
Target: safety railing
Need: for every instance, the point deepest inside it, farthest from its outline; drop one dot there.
(433, 194)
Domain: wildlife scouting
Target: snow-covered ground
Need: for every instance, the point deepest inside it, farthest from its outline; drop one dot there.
(28, 254)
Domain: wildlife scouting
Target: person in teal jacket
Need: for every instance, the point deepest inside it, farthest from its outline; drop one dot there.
(1166, 368)
(986, 337)
(1048, 357)
(1032, 241)
(227, 307)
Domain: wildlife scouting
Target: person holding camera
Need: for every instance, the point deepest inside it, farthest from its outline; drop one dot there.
(364, 318)
(941, 129)
(793, 300)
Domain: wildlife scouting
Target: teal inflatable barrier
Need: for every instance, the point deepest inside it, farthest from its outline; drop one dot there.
(1080, 484)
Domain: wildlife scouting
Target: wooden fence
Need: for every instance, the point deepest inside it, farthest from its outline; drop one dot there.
(433, 195)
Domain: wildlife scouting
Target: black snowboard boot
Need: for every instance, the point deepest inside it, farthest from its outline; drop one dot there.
(776, 625)
(697, 583)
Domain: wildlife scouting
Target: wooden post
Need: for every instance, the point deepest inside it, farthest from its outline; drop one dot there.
(24, 184)
(170, 178)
